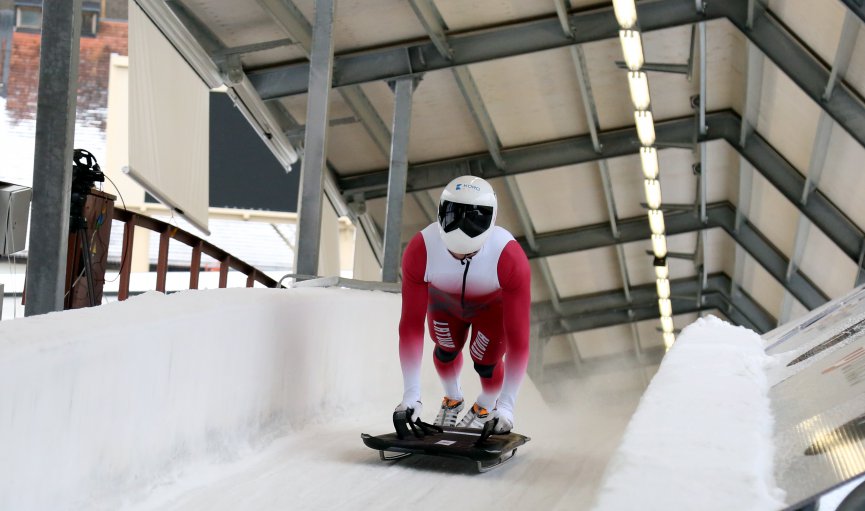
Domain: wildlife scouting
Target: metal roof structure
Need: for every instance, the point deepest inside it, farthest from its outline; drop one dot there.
(763, 213)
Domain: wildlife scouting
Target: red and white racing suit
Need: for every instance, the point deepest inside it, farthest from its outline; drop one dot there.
(489, 292)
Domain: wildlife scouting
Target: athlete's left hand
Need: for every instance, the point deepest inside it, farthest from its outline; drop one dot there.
(505, 420)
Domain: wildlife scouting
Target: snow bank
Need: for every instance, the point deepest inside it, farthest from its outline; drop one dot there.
(100, 403)
(701, 437)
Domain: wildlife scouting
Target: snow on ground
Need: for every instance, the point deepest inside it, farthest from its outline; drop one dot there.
(702, 435)
(256, 399)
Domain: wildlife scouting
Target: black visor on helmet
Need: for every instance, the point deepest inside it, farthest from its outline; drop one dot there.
(472, 220)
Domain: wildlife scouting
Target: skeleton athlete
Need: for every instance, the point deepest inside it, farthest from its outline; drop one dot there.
(464, 273)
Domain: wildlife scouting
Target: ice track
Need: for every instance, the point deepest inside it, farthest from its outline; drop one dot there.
(256, 399)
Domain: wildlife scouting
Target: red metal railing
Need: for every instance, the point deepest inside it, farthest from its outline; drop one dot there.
(167, 232)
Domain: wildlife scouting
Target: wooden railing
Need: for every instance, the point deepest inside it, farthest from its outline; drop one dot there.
(167, 232)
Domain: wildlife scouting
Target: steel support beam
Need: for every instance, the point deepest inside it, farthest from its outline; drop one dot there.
(608, 308)
(558, 153)
(719, 215)
(397, 178)
(315, 141)
(782, 47)
(288, 16)
(491, 43)
(724, 125)
(857, 7)
(52, 164)
(753, 91)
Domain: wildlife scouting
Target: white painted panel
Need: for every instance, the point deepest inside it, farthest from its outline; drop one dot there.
(587, 271)
(606, 341)
(366, 266)
(507, 215)
(827, 266)
(564, 197)
(533, 97)
(816, 22)
(169, 123)
(761, 286)
(843, 180)
(773, 215)
(788, 118)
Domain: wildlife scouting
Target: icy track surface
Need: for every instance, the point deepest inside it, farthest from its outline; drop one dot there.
(256, 399)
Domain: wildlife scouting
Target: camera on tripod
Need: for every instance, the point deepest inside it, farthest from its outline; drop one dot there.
(85, 174)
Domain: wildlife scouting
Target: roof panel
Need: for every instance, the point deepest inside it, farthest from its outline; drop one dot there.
(788, 118)
(243, 23)
(773, 215)
(639, 262)
(365, 23)
(726, 46)
(442, 125)
(761, 286)
(843, 180)
(564, 197)
(587, 271)
(816, 22)
(351, 150)
(533, 97)
(723, 172)
(827, 266)
(461, 15)
(609, 84)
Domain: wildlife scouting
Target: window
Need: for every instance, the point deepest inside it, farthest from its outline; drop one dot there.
(89, 23)
(28, 18)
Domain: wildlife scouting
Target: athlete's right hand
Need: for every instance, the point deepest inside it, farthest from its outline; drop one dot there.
(416, 408)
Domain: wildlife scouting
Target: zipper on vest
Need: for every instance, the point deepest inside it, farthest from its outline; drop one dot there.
(465, 262)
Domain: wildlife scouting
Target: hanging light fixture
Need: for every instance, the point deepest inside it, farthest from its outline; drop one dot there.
(653, 193)
(649, 161)
(645, 127)
(626, 13)
(665, 307)
(659, 245)
(639, 87)
(632, 49)
(663, 286)
(656, 221)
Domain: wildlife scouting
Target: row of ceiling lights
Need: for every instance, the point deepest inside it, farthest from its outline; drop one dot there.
(638, 83)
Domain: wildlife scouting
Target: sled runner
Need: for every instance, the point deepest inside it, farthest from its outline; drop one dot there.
(481, 446)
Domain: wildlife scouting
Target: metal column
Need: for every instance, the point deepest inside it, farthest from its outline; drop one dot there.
(315, 140)
(52, 165)
(397, 179)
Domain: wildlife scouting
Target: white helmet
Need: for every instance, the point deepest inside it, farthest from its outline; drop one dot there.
(467, 214)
